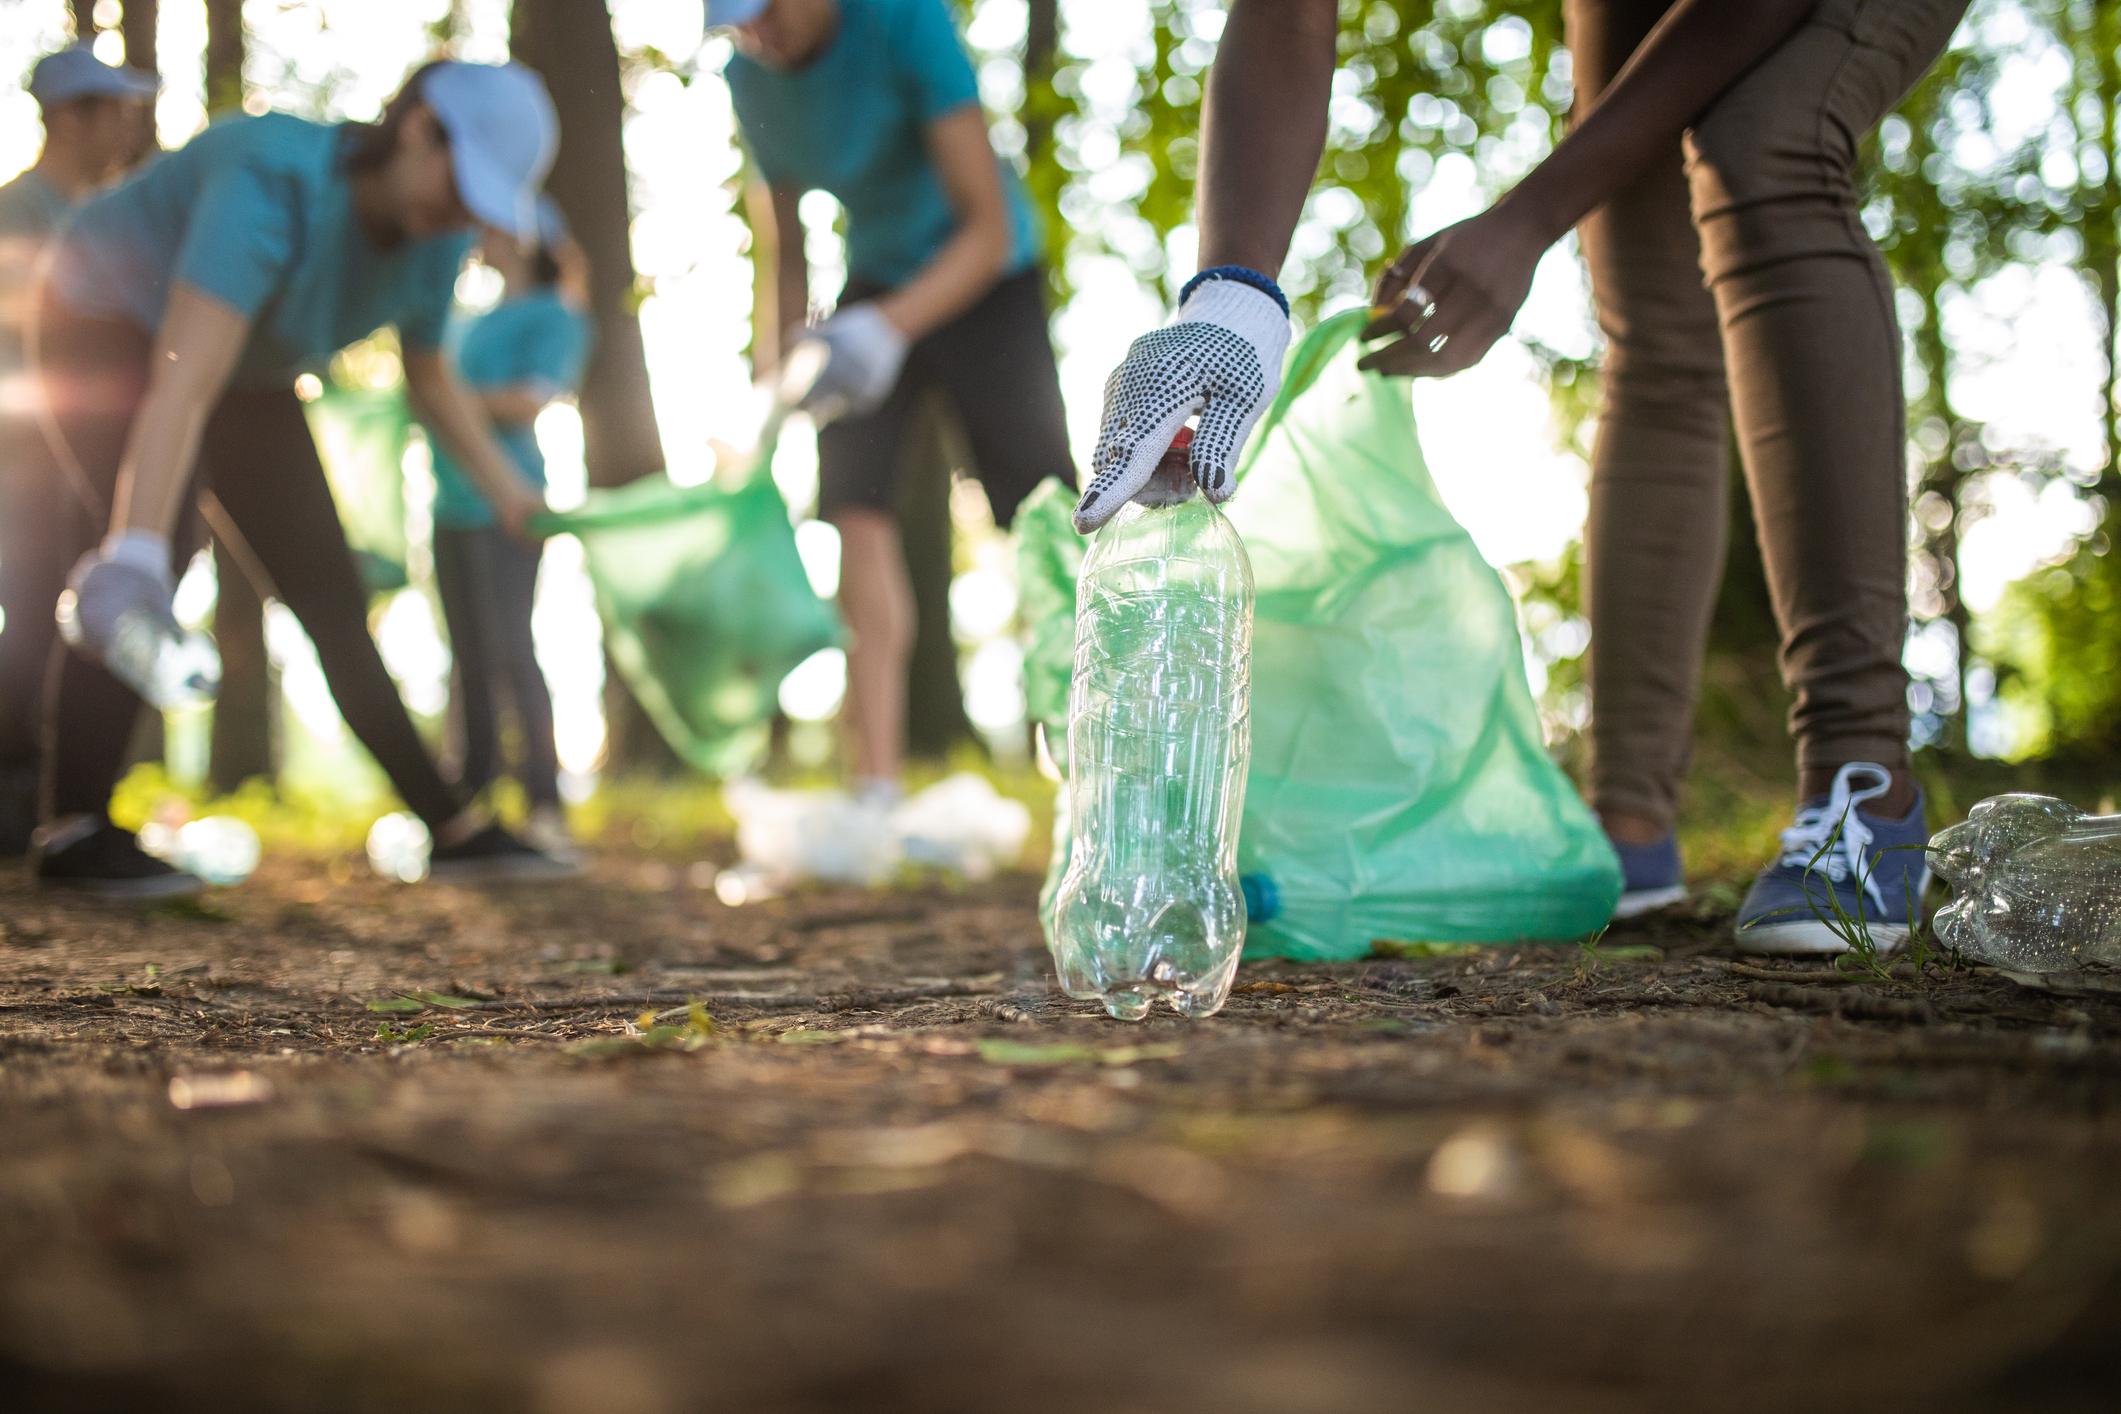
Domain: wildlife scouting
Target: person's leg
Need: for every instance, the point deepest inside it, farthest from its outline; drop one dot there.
(463, 575)
(876, 599)
(995, 361)
(857, 481)
(514, 599)
(1654, 540)
(1813, 346)
(93, 374)
(265, 472)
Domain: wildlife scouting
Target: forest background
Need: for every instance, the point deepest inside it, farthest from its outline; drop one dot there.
(1993, 190)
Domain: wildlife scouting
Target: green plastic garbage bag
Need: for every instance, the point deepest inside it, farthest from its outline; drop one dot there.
(361, 435)
(705, 604)
(1400, 787)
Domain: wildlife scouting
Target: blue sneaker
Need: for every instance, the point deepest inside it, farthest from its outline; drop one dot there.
(1877, 869)
(1650, 875)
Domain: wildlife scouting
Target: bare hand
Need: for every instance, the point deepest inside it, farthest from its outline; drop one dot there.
(1452, 295)
(514, 516)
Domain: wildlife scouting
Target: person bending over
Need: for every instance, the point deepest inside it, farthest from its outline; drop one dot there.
(178, 312)
(874, 101)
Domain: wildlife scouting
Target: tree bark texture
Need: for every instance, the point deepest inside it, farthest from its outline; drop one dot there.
(570, 43)
(242, 741)
(138, 27)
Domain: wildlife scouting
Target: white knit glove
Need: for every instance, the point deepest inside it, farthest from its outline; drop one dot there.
(868, 351)
(1220, 356)
(127, 574)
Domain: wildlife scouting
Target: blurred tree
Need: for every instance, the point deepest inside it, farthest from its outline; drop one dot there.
(242, 734)
(137, 23)
(570, 43)
(2056, 638)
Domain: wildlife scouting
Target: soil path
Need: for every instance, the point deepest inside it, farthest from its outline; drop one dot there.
(902, 1173)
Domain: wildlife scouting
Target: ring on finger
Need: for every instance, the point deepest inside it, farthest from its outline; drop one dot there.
(1419, 297)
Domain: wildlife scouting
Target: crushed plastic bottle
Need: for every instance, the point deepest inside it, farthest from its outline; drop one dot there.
(399, 846)
(2036, 884)
(170, 666)
(218, 848)
(1159, 740)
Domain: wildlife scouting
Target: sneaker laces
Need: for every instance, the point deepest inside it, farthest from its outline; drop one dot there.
(1804, 841)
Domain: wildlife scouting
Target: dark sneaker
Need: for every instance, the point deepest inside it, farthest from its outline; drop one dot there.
(1650, 875)
(106, 862)
(1876, 869)
(494, 855)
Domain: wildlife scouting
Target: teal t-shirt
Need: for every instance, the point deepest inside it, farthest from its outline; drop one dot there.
(257, 212)
(536, 339)
(852, 122)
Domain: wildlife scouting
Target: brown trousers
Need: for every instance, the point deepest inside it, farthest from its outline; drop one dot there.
(1735, 279)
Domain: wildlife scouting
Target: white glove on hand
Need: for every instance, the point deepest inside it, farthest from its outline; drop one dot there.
(1220, 356)
(867, 353)
(118, 611)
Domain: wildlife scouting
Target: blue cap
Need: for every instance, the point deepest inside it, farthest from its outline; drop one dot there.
(503, 134)
(721, 14)
(78, 73)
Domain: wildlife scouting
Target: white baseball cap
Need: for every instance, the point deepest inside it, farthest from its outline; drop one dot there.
(78, 73)
(503, 134)
(722, 14)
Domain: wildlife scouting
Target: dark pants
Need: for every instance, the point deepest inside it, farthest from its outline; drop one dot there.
(489, 583)
(1735, 278)
(994, 365)
(258, 460)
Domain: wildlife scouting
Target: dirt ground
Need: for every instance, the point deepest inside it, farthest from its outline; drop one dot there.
(903, 1173)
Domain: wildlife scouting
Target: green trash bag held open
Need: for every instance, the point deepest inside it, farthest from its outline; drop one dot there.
(706, 606)
(1400, 787)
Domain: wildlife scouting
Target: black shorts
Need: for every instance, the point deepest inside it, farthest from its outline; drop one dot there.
(994, 365)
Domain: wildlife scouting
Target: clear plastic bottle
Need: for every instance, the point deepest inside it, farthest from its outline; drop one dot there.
(1159, 740)
(169, 666)
(2036, 884)
(399, 846)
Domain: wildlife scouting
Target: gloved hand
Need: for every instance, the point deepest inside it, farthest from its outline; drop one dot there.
(1220, 356)
(118, 611)
(128, 572)
(867, 353)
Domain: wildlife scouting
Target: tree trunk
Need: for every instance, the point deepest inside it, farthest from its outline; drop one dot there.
(224, 56)
(138, 27)
(935, 701)
(242, 740)
(569, 43)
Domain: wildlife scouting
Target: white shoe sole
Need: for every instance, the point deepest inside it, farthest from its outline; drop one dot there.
(1811, 937)
(1643, 900)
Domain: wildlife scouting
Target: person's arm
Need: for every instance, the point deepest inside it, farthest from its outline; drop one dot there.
(441, 401)
(1263, 129)
(1475, 275)
(965, 266)
(195, 352)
